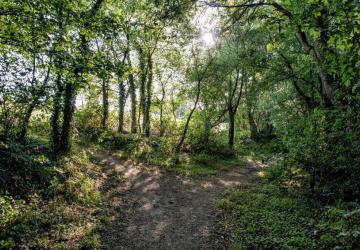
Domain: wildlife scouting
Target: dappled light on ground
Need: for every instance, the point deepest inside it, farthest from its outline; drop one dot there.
(164, 210)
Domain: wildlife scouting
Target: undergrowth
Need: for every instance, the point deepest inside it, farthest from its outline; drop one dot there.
(266, 216)
(53, 211)
(159, 151)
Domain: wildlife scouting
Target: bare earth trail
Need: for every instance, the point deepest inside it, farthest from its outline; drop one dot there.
(157, 209)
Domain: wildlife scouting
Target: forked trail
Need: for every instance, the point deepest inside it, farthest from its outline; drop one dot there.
(157, 209)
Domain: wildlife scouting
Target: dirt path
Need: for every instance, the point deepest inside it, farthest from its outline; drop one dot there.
(156, 209)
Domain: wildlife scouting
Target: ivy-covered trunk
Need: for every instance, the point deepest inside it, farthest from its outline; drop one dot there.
(122, 100)
(148, 98)
(231, 129)
(55, 117)
(133, 104)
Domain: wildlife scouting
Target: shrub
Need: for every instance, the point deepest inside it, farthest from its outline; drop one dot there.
(153, 150)
(88, 120)
(119, 140)
(74, 182)
(24, 167)
(326, 144)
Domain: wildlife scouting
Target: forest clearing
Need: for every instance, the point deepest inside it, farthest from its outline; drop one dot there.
(179, 124)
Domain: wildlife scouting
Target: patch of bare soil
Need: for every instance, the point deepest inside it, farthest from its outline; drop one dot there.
(157, 209)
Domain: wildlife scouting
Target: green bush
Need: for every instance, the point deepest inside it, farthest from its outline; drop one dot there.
(326, 144)
(154, 150)
(87, 121)
(24, 167)
(118, 140)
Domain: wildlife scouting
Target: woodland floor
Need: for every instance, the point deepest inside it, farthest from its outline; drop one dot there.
(153, 208)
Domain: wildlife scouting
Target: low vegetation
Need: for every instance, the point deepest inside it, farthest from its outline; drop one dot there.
(264, 216)
(55, 208)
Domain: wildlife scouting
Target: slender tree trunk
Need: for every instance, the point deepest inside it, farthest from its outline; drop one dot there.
(105, 100)
(231, 129)
(183, 136)
(55, 117)
(122, 100)
(253, 127)
(69, 108)
(163, 93)
(143, 77)
(327, 82)
(132, 90)
(6, 120)
(148, 98)
(173, 109)
(162, 128)
(33, 104)
(133, 104)
(26, 120)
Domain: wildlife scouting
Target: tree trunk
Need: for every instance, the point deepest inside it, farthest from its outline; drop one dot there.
(162, 128)
(132, 91)
(231, 129)
(148, 98)
(183, 136)
(253, 127)
(26, 120)
(143, 77)
(133, 104)
(7, 125)
(122, 100)
(69, 108)
(55, 117)
(105, 100)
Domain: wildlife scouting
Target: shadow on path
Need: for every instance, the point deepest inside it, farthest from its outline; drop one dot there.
(157, 209)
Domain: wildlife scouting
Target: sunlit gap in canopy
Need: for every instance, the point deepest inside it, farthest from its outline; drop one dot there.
(206, 21)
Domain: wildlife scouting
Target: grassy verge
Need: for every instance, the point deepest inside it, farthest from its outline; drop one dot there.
(264, 216)
(203, 164)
